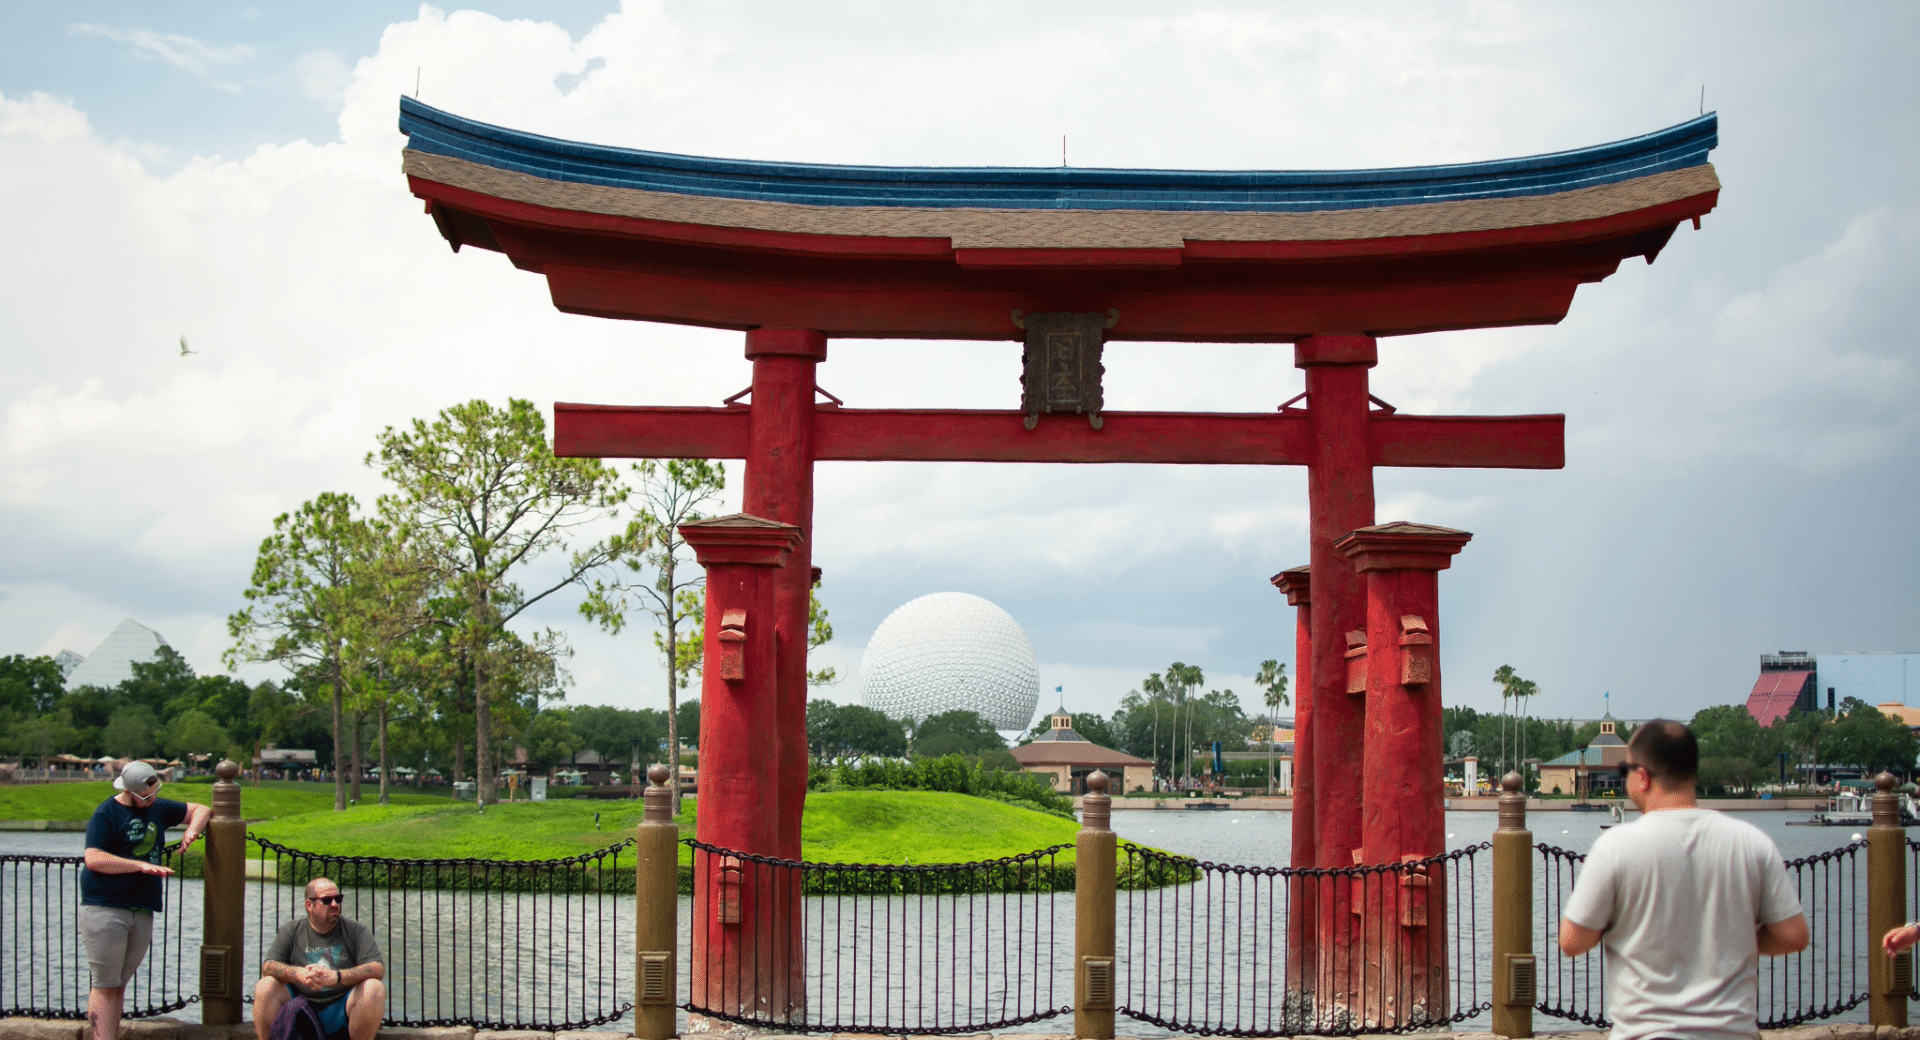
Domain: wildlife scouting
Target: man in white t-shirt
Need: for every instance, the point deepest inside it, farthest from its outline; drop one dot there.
(1686, 901)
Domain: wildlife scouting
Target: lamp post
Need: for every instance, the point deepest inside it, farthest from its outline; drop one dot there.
(633, 767)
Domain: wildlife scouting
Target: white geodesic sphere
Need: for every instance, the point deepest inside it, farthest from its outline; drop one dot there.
(951, 650)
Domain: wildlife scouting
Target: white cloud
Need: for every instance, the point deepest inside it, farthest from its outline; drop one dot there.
(182, 52)
(324, 307)
(322, 75)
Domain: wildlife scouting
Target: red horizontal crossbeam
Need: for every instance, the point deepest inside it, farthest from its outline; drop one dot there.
(947, 435)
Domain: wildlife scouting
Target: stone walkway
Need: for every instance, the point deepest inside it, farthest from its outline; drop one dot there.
(170, 1029)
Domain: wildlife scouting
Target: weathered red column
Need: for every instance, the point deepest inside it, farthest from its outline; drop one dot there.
(1340, 499)
(745, 924)
(779, 486)
(1404, 809)
(1302, 929)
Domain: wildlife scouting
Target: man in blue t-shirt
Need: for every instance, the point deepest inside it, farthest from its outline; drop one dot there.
(120, 889)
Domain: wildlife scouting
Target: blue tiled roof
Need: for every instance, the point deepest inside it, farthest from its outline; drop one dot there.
(442, 133)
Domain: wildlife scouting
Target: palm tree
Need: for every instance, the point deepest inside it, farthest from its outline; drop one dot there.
(1523, 691)
(1180, 679)
(1156, 689)
(1506, 677)
(1272, 678)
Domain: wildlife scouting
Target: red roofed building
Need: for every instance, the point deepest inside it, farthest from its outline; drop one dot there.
(1789, 681)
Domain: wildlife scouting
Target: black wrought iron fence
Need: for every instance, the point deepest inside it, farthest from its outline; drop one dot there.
(1260, 951)
(1830, 975)
(1826, 979)
(1573, 988)
(43, 965)
(955, 948)
(1913, 905)
(543, 944)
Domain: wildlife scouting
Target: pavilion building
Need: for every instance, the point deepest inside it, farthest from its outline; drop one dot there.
(1581, 772)
(1066, 758)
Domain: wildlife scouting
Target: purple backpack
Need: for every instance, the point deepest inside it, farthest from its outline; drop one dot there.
(297, 1021)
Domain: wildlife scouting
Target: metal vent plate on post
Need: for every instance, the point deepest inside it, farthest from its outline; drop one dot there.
(654, 972)
(1521, 977)
(215, 983)
(1099, 983)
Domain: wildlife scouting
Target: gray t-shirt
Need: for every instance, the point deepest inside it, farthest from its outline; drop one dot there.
(349, 945)
(1680, 894)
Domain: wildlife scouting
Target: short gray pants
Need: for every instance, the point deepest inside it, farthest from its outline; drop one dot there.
(116, 941)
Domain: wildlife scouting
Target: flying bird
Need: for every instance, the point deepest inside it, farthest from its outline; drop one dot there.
(183, 348)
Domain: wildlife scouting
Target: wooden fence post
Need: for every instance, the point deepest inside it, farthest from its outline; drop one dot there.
(656, 898)
(1889, 979)
(1514, 967)
(1094, 881)
(224, 904)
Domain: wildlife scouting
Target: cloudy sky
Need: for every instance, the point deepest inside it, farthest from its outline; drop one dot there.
(1742, 415)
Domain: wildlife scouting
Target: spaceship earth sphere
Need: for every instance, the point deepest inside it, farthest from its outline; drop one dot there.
(952, 650)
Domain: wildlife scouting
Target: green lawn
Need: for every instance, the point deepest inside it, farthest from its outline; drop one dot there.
(840, 826)
(264, 802)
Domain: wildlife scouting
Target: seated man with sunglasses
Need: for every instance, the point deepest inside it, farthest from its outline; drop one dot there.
(1686, 901)
(331, 960)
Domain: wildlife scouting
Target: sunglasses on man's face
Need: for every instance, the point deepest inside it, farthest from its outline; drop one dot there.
(1627, 768)
(329, 900)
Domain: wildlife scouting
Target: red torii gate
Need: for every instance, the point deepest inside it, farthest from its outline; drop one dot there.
(795, 255)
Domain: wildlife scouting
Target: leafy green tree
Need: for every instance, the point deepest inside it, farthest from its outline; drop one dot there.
(688, 717)
(843, 730)
(551, 739)
(41, 737)
(1864, 737)
(819, 634)
(303, 605)
(193, 732)
(489, 503)
(30, 685)
(87, 710)
(1272, 680)
(132, 732)
(671, 587)
(956, 732)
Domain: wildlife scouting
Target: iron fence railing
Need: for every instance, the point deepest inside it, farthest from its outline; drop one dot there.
(1913, 907)
(1573, 988)
(955, 948)
(43, 964)
(1826, 979)
(1208, 949)
(541, 945)
(1830, 975)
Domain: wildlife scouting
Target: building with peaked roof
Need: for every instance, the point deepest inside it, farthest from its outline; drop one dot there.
(1789, 682)
(111, 663)
(1066, 757)
(1589, 769)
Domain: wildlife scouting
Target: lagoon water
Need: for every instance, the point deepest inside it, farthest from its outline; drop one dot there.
(1239, 837)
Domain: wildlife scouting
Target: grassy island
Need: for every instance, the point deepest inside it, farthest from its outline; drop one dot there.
(839, 826)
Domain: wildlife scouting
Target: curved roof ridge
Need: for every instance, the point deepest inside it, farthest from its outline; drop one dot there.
(437, 132)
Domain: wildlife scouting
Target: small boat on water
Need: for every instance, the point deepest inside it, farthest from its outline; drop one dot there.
(1209, 805)
(1618, 817)
(1855, 809)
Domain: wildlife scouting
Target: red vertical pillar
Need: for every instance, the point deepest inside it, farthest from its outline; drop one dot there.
(1302, 926)
(1340, 499)
(1404, 809)
(744, 922)
(779, 486)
